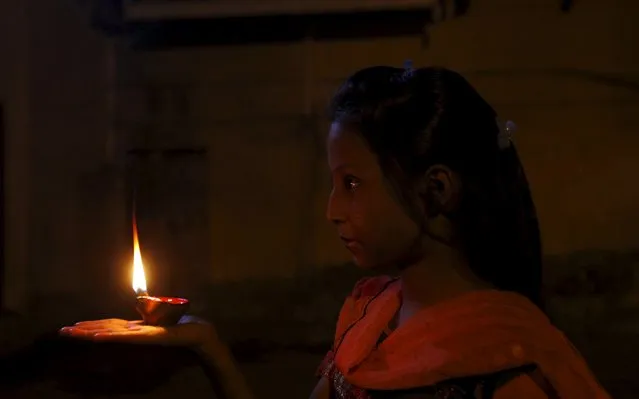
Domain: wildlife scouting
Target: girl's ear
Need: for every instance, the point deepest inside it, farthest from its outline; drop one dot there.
(440, 190)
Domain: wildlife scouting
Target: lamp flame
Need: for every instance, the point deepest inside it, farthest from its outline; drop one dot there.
(139, 280)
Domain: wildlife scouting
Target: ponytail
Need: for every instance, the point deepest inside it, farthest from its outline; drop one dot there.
(500, 229)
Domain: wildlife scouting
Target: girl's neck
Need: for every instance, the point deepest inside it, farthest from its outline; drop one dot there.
(443, 274)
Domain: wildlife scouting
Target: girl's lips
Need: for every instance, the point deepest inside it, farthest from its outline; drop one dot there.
(349, 242)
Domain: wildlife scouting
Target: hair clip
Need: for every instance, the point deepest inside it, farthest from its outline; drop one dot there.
(408, 65)
(408, 69)
(505, 136)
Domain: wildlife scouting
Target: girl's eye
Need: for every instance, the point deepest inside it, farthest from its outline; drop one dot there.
(351, 183)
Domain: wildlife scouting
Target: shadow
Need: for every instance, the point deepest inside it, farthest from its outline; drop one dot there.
(87, 368)
(157, 35)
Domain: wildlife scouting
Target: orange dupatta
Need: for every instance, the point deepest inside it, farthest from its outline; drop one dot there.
(477, 333)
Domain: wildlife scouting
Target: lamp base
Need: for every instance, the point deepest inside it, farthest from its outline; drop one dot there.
(161, 311)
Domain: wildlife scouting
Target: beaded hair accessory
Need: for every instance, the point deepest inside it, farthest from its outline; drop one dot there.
(505, 135)
(408, 69)
(408, 65)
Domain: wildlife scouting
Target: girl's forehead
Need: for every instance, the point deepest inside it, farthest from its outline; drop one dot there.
(346, 146)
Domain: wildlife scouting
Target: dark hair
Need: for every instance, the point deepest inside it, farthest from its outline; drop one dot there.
(413, 119)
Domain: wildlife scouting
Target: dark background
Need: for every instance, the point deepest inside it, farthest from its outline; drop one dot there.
(217, 127)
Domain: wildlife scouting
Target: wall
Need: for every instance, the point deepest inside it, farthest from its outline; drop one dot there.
(14, 96)
(66, 231)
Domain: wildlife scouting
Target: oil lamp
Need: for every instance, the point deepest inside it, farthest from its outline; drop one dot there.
(155, 311)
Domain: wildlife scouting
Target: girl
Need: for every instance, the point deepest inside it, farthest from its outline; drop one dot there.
(428, 186)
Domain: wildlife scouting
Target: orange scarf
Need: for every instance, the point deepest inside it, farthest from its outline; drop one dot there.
(477, 333)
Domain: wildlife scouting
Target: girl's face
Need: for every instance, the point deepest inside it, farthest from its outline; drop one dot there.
(369, 217)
